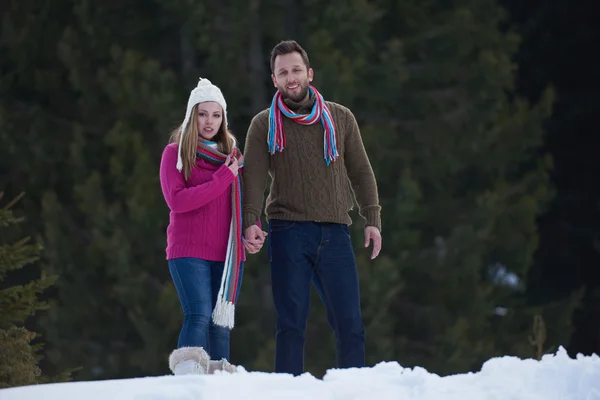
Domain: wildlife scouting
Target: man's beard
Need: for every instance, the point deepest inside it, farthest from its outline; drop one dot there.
(297, 98)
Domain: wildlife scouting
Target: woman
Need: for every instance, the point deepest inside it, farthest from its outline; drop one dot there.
(200, 180)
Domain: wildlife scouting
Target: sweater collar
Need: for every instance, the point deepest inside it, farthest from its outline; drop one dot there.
(301, 107)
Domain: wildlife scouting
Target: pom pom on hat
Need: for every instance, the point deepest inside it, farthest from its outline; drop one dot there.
(204, 91)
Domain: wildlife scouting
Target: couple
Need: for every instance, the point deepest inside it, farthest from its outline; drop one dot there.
(313, 151)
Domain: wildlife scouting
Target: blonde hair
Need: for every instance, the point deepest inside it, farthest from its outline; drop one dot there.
(224, 138)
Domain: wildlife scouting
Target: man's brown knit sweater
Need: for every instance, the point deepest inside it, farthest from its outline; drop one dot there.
(304, 187)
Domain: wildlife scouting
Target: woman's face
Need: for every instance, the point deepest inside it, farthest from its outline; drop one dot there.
(210, 118)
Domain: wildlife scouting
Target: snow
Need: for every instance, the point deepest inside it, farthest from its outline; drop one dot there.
(556, 376)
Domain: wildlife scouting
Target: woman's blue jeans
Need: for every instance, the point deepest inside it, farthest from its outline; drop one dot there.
(197, 282)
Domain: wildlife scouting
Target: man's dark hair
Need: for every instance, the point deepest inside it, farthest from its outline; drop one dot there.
(287, 47)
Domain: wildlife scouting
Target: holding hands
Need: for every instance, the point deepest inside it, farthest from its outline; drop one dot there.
(254, 239)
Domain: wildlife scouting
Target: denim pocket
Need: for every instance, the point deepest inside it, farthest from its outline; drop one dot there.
(346, 230)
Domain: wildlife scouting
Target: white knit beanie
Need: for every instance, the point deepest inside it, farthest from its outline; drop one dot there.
(205, 91)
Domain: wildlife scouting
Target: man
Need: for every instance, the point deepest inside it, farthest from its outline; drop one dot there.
(313, 151)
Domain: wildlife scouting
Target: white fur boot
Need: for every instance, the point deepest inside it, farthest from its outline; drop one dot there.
(189, 360)
(220, 365)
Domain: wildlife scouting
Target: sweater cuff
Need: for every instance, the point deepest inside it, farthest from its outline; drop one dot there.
(372, 216)
(224, 174)
(250, 218)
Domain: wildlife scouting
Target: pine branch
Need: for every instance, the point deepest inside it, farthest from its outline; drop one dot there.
(19, 302)
(13, 201)
(7, 217)
(16, 256)
(17, 359)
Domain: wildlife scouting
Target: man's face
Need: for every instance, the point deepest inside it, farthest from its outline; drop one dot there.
(291, 77)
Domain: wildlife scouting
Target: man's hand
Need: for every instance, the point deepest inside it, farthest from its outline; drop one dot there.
(254, 238)
(372, 233)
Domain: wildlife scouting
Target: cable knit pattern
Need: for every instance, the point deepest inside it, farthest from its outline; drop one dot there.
(200, 214)
(304, 187)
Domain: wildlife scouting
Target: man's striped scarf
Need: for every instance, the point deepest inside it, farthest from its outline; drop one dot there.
(223, 314)
(319, 112)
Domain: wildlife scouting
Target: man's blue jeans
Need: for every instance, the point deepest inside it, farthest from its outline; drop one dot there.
(321, 253)
(197, 282)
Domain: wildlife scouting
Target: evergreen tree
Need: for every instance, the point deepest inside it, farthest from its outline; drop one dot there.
(19, 356)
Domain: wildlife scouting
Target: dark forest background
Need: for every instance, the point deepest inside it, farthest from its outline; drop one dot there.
(478, 117)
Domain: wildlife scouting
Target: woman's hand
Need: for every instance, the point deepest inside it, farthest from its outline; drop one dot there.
(233, 165)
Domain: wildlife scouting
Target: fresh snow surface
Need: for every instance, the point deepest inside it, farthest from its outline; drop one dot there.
(556, 376)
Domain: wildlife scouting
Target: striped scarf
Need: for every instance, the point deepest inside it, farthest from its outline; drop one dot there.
(223, 314)
(276, 137)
